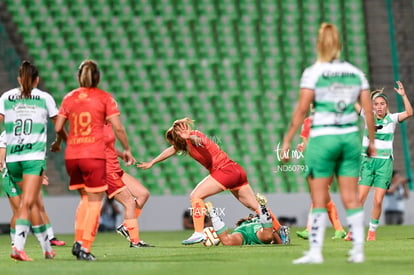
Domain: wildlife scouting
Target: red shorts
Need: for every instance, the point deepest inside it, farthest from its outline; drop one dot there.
(87, 173)
(232, 176)
(115, 183)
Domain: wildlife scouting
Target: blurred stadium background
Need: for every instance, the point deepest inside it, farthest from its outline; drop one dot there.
(232, 65)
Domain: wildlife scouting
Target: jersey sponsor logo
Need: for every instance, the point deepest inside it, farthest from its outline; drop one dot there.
(338, 74)
(20, 147)
(17, 97)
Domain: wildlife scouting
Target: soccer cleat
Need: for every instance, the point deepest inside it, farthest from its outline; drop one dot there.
(19, 255)
(284, 234)
(309, 258)
(348, 237)
(86, 256)
(339, 235)
(76, 248)
(197, 237)
(262, 200)
(140, 244)
(303, 234)
(356, 256)
(57, 242)
(371, 236)
(50, 255)
(123, 231)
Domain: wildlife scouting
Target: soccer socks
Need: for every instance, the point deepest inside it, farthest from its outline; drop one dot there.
(22, 229)
(275, 221)
(333, 216)
(91, 224)
(265, 218)
(12, 235)
(132, 227)
(80, 218)
(319, 217)
(41, 235)
(355, 218)
(373, 225)
(218, 224)
(198, 209)
(49, 230)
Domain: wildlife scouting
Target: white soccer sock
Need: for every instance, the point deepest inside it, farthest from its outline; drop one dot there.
(265, 218)
(218, 224)
(373, 226)
(319, 217)
(49, 230)
(22, 230)
(42, 237)
(355, 219)
(12, 235)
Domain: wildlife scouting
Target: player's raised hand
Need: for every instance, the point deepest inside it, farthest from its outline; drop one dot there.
(400, 90)
(183, 130)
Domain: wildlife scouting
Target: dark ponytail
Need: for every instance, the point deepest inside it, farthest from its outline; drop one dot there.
(28, 74)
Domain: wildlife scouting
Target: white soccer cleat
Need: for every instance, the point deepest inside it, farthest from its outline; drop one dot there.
(309, 258)
(197, 237)
(356, 256)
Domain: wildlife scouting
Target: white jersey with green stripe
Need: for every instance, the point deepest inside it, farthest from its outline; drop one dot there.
(337, 86)
(384, 135)
(25, 121)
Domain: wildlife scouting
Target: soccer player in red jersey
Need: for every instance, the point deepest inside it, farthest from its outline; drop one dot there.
(125, 189)
(88, 109)
(224, 173)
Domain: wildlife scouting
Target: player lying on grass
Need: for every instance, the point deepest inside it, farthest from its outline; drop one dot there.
(251, 230)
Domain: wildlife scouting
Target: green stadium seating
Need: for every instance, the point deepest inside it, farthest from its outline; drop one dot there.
(233, 66)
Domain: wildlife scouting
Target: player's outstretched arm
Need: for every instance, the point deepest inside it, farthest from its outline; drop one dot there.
(170, 151)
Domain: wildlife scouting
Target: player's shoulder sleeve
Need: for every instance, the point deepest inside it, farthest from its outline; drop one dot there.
(64, 107)
(111, 105)
(51, 105)
(3, 99)
(309, 77)
(394, 117)
(361, 76)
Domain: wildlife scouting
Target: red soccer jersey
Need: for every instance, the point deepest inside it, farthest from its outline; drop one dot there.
(307, 123)
(208, 153)
(112, 162)
(87, 111)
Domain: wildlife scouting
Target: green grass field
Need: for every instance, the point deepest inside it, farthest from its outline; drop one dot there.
(392, 253)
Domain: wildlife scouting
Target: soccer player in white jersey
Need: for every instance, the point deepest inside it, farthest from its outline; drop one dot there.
(334, 145)
(25, 112)
(377, 171)
(13, 192)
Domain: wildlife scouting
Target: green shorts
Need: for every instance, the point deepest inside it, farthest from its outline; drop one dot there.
(11, 188)
(28, 167)
(248, 231)
(376, 172)
(333, 154)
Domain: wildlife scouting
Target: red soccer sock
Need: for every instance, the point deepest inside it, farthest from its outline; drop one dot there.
(91, 224)
(80, 218)
(333, 216)
(132, 227)
(198, 208)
